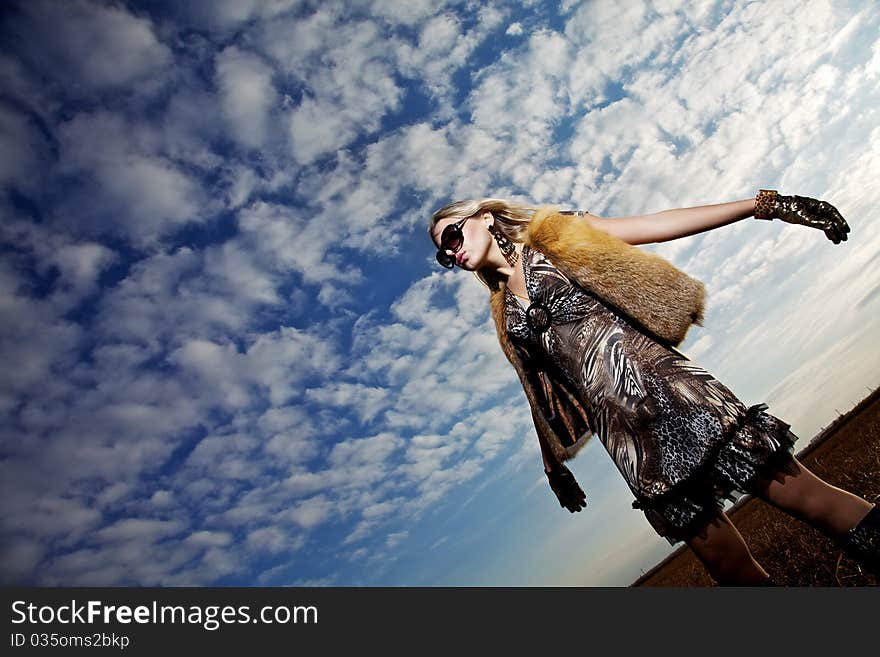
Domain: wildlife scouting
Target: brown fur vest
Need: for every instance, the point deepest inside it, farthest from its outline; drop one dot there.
(644, 287)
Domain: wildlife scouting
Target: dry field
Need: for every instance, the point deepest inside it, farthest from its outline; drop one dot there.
(845, 454)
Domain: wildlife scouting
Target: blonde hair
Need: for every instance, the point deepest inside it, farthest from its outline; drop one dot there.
(511, 220)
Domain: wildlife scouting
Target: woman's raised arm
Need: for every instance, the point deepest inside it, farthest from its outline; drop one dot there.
(768, 204)
(672, 224)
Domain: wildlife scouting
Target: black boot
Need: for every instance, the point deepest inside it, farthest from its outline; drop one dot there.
(862, 542)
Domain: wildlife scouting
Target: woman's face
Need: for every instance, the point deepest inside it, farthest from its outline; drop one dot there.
(476, 250)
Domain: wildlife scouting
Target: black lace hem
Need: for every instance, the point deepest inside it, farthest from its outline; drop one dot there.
(759, 449)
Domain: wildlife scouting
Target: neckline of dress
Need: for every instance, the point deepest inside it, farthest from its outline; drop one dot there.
(525, 246)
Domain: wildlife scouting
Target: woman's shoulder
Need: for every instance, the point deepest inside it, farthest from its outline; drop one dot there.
(534, 258)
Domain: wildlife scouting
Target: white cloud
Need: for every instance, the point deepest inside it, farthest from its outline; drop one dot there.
(405, 12)
(34, 337)
(363, 452)
(227, 456)
(139, 529)
(227, 15)
(276, 363)
(438, 36)
(395, 538)
(20, 558)
(317, 128)
(247, 93)
(311, 512)
(273, 540)
(278, 235)
(519, 101)
(366, 401)
(78, 264)
(129, 189)
(167, 299)
(348, 82)
(605, 33)
(48, 517)
(209, 401)
(93, 43)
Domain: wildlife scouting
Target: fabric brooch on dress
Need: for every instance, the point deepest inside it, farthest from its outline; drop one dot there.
(555, 299)
(538, 317)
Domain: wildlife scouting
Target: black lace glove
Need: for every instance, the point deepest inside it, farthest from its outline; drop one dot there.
(802, 210)
(567, 489)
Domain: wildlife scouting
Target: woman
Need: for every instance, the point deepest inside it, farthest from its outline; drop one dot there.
(590, 323)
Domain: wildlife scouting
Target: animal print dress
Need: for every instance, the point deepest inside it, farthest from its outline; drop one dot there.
(681, 439)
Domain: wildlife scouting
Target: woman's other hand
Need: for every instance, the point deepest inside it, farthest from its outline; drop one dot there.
(567, 489)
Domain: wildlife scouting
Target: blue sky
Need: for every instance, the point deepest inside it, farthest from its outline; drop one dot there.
(229, 355)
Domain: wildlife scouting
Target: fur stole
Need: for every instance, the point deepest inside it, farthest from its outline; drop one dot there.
(642, 286)
(645, 286)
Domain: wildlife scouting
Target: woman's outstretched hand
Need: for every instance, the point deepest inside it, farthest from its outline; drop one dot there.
(567, 489)
(811, 212)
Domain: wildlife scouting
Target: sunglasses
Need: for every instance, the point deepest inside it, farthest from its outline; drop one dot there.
(451, 239)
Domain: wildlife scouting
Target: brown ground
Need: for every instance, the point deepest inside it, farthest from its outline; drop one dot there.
(845, 454)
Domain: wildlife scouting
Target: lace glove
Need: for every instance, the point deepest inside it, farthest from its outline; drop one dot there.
(802, 210)
(567, 489)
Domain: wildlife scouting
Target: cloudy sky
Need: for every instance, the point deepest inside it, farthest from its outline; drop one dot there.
(229, 356)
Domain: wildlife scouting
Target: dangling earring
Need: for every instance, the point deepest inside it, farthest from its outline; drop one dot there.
(506, 246)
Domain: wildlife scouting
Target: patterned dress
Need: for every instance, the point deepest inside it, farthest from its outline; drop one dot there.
(681, 439)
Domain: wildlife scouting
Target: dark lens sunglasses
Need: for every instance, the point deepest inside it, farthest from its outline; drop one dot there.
(451, 239)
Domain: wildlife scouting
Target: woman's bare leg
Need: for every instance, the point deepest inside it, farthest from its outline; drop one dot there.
(831, 510)
(724, 553)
